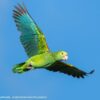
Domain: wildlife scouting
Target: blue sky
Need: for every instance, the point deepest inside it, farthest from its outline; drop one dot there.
(70, 25)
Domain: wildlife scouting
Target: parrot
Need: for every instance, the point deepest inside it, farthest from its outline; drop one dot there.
(37, 50)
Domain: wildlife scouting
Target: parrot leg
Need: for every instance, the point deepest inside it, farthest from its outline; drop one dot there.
(29, 67)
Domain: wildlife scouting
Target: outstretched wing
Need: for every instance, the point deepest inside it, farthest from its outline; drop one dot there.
(32, 38)
(68, 69)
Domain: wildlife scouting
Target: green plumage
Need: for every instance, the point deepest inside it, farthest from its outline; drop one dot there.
(31, 37)
(34, 43)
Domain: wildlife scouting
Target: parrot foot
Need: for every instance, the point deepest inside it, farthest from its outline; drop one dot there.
(29, 67)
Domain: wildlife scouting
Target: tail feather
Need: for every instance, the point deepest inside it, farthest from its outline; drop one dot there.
(18, 68)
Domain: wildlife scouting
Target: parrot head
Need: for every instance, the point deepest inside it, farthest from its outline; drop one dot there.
(61, 55)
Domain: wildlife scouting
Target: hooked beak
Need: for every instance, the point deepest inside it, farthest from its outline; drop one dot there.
(65, 58)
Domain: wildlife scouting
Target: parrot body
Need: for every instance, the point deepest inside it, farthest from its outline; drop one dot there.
(41, 60)
(35, 45)
(37, 61)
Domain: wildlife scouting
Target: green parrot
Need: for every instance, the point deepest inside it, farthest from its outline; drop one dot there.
(34, 43)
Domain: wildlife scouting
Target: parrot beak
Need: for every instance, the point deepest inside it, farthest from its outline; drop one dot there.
(65, 58)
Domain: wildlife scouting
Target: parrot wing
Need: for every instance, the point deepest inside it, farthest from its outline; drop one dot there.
(32, 38)
(67, 69)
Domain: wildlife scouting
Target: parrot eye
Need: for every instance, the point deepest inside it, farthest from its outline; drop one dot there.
(62, 53)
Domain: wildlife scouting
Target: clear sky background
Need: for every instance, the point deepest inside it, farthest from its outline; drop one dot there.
(70, 25)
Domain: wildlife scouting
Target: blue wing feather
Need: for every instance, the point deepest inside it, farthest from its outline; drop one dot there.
(31, 37)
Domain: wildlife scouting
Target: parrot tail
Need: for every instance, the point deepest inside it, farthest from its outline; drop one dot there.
(18, 68)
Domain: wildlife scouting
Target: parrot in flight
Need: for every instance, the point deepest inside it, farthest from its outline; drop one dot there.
(35, 45)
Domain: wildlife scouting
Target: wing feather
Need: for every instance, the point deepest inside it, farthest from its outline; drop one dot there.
(32, 38)
(67, 69)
